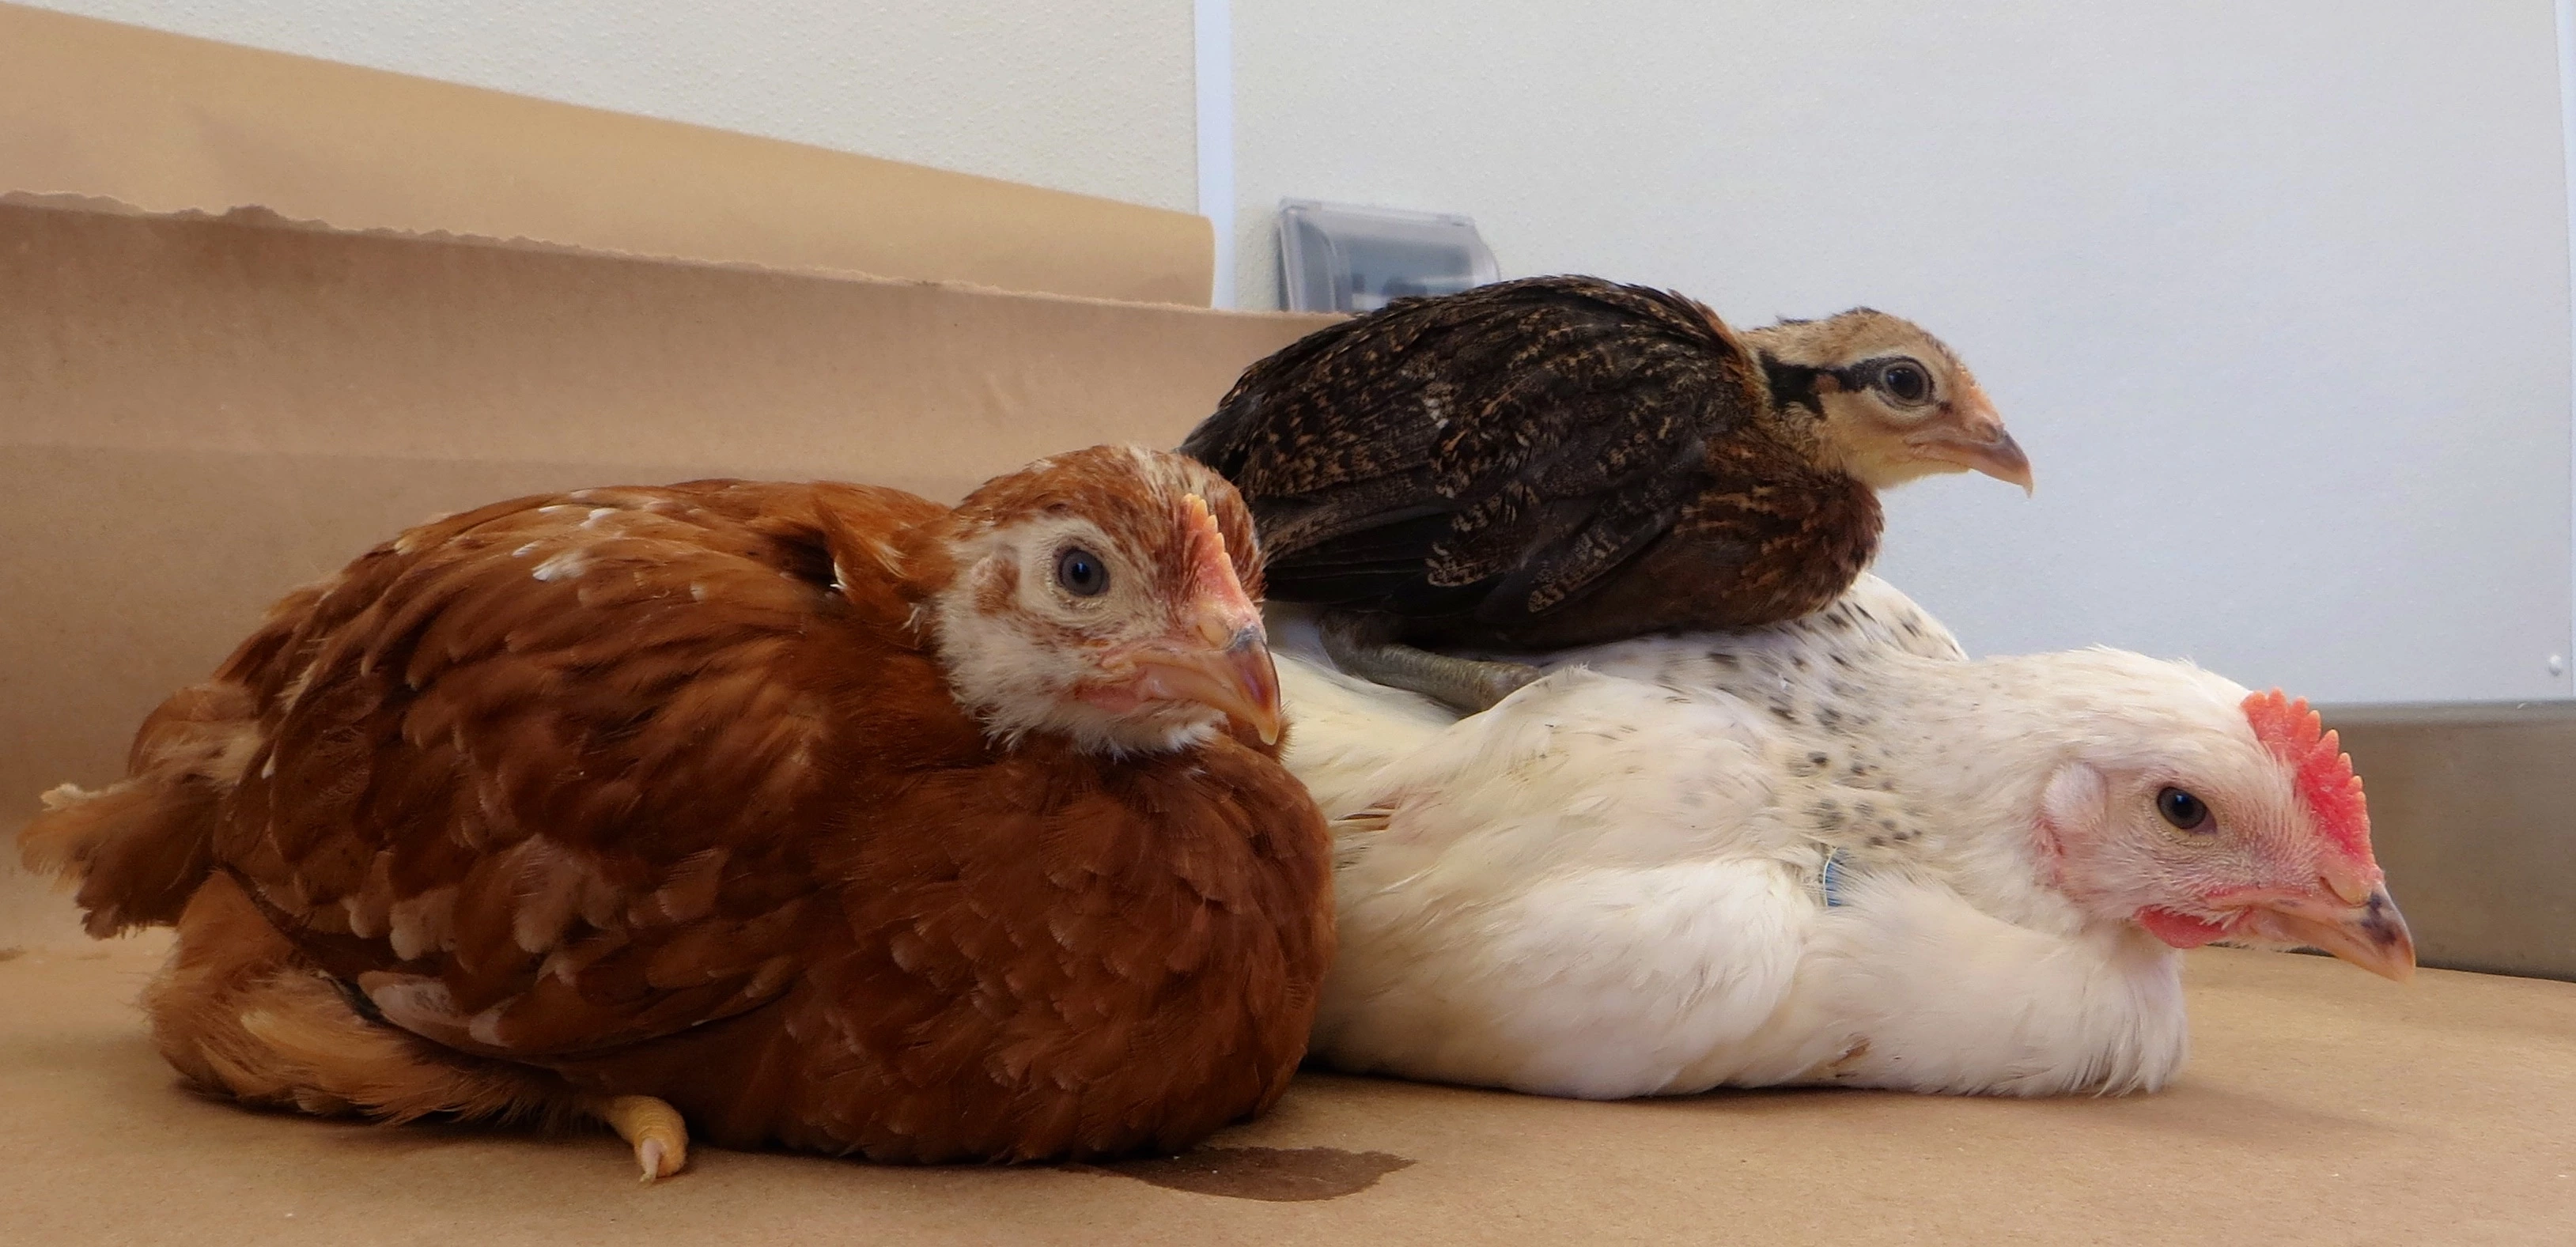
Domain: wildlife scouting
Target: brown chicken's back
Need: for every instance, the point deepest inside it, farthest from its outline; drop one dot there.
(663, 792)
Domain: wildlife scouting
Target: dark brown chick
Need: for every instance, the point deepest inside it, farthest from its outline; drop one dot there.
(1565, 460)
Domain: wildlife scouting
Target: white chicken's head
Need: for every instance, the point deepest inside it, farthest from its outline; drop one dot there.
(1111, 596)
(2202, 812)
(1894, 403)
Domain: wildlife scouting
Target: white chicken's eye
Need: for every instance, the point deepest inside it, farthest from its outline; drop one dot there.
(1905, 381)
(2185, 811)
(1081, 572)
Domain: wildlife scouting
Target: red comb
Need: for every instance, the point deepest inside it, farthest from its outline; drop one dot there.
(1205, 554)
(2325, 779)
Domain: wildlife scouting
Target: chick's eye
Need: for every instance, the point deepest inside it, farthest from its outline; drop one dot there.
(1081, 572)
(2183, 810)
(1905, 381)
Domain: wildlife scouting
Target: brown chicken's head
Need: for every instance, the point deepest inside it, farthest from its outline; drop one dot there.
(2201, 813)
(1111, 596)
(1894, 403)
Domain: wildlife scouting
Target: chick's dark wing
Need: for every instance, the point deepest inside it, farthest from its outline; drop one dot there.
(1495, 452)
(542, 779)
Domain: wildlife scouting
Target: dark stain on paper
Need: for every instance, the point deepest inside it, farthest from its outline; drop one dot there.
(1267, 1173)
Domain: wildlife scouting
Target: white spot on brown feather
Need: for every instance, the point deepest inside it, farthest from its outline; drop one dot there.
(545, 884)
(563, 565)
(423, 923)
(771, 975)
(688, 893)
(565, 964)
(485, 1027)
(62, 795)
(421, 1005)
(600, 902)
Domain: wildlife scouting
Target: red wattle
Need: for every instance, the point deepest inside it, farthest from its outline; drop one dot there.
(2179, 930)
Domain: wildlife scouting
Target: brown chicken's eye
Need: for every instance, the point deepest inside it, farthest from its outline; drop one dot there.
(2183, 810)
(1905, 381)
(1081, 572)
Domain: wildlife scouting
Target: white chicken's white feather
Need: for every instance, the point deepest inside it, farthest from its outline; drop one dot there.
(1613, 882)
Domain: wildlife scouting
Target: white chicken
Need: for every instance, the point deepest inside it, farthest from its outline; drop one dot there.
(1832, 851)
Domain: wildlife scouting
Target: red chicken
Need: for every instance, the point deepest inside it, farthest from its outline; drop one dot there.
(814, 815)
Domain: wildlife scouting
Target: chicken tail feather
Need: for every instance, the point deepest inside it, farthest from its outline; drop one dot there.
(138, 849)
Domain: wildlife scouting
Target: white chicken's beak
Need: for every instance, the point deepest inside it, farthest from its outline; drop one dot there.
(1232, 673)
(2368, 931)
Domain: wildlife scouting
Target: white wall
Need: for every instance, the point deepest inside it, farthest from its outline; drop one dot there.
(2276, 294)
(1095, 98)
(2275, 291)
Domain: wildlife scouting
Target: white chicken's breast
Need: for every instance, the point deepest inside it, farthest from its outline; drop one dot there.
(1832, 851)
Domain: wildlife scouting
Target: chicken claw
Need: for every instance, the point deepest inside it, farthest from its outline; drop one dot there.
(661, 1139)
(1364, 645)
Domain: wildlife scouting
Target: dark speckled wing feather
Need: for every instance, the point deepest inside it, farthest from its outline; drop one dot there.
(1492, 455)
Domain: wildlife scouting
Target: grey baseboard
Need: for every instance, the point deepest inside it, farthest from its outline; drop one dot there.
(2473, 814)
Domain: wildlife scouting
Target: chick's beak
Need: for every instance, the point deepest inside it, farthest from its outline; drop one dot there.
(2360, 926)
(1228, 669)
(1972, 436)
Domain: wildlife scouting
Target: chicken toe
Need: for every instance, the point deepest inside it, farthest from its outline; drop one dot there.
(1364, 646)
(660, 1138)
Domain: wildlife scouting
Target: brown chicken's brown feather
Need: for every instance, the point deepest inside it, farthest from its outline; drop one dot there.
(660, 792)
(239, 1011)
(1545, 462)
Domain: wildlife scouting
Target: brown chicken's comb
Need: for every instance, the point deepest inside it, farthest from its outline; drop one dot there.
(2325, 779)
(1204, 554)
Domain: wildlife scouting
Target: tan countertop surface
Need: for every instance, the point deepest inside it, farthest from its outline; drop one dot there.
(2321, 1106)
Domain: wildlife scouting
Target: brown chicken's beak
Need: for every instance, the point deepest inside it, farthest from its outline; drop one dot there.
(1232, 673)
(1219, 658)
(1972, 436)
(2364, 929)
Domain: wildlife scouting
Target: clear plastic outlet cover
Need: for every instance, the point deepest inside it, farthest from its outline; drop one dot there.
(1341, 258)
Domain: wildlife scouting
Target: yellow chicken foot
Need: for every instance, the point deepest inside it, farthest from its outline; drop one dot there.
(660, 1138)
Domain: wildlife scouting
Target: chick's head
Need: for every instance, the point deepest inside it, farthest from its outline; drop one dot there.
(1111, 596)
(1894, 404)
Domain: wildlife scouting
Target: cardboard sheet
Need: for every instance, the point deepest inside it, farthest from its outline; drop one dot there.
(164, 123)
(2322, 1106)
(197, 415)
(200, 411)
